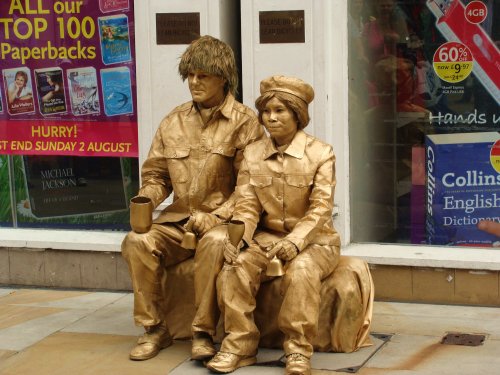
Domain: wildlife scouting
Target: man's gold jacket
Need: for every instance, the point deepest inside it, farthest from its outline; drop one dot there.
(198, 162)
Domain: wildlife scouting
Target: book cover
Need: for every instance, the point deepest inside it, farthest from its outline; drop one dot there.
(116, 91)
(19, 91)
(417, 195)
(462, 187)
(83, 92)
(1, 102)
(107, 6)
(50, 89)
(114, 37)
(73, 186)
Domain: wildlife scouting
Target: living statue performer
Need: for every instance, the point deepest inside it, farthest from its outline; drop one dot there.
(196, 153)
(285, 198)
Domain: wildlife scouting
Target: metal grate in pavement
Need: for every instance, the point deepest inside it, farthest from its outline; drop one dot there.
(271, 362)
(466, 339)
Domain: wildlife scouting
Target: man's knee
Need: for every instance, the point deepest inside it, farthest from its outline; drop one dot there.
(216, 234)
(212, 240)
(133, 244)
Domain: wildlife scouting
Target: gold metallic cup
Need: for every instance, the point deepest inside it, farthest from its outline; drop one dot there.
(235, 230)
(141, 214)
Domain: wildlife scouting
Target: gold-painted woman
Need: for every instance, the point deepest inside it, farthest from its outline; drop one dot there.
(285, 198)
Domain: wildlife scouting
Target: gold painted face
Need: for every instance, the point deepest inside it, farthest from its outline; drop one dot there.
(280, 121)
(207, 90)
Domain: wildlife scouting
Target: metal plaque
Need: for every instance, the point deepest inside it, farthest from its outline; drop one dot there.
(177, 28)
(463, 339)
(282, 26)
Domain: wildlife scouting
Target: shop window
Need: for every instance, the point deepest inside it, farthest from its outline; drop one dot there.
(424, 121)
(67, 191)
(68, 114)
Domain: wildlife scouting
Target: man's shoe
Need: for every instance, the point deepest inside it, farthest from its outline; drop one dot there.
(202, 347)
(150, 343)
(297, 364)
(228, 362)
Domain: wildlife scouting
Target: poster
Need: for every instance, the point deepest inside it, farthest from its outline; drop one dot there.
(56, 52)
(66, 160)
(464, 57)
(73, 192)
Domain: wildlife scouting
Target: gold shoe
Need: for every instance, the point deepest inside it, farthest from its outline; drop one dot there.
(297, 364)
(150, 344)
(202, 347)
(228, 362)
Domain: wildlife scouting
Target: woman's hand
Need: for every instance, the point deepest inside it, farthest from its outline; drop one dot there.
(231, 252)
(285, 250)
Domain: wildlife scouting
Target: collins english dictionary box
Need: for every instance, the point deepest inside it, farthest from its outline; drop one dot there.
(462, 187)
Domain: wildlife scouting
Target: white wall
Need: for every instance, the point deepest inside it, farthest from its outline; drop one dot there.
(320, 61)
(159, 86)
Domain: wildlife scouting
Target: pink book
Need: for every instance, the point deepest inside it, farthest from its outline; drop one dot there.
(107, 6)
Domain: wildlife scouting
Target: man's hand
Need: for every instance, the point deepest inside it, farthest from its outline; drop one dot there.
(203, 222)
(285, 250)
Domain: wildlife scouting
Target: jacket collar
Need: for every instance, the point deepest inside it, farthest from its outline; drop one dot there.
(296, 148)
(225, 108)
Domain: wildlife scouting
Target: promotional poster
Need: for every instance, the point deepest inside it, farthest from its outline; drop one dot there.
(68, 129)
(44, 45)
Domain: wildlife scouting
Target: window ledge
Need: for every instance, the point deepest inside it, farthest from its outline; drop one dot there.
(427, 256)
(381, 254)
(62, 239)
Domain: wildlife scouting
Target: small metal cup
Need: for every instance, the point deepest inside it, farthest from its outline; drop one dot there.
(235, 229)
(141, 214)
(275, 267)
(189, 239)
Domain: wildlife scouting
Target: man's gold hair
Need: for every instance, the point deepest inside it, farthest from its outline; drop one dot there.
(211, 56)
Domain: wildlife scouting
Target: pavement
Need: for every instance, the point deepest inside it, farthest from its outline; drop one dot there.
(61, 332)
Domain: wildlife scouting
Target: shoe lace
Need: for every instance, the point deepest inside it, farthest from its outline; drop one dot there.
(296, 357)
(220, 356)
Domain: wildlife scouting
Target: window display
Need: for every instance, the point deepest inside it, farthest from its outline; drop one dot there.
(424, 72)
(68, 114)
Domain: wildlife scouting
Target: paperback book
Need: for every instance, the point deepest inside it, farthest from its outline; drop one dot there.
(50, 89)
(117, 91)
(83, 92)
(73, 186)
(19, 91)
(107, 6)
(462, 188)
(115, 39)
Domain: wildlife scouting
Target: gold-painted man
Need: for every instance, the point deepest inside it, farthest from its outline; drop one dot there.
(195, 154)
(285, 198)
